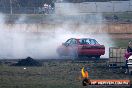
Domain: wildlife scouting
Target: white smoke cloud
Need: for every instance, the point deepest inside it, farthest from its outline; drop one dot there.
(23, 40)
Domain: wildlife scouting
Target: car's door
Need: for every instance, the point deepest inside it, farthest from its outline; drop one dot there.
(93, 44)
(98, 49)
(88, 46)
(65, 46)
(69, 46)
(72, 47)
(93, 47)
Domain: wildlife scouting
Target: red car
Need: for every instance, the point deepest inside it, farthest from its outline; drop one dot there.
(81, 47)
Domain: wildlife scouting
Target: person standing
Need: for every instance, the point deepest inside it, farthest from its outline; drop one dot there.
(128, 54)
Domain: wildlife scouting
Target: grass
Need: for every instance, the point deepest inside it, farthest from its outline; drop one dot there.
(121, 42)
(57, 74)
(121, 15)
(50, 75)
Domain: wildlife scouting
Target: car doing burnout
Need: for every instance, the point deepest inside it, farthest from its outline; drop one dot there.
(81, 47)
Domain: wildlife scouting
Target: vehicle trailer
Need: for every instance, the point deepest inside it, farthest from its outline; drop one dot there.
(116, 57)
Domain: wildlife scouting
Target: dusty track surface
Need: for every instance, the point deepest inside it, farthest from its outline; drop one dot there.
(58, 73)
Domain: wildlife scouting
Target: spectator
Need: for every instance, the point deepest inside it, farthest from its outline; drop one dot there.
(128, 54)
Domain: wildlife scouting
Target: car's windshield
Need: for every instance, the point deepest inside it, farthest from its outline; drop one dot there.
(88, 41)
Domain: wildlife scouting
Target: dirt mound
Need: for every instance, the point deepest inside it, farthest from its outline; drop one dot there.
(27, 62)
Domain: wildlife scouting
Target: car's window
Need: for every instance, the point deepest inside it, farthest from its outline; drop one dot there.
(88, 41)
(68, 41)
(73, 41)
(84, 41)
(93, 42)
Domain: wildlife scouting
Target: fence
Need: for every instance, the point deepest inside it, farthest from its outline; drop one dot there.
(73, 8)
(84, 28)
(26, 10)
(93, 7)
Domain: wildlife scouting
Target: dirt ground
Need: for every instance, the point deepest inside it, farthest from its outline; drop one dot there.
(58, 74)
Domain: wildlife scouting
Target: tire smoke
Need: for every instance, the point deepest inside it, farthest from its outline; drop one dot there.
(40, 41)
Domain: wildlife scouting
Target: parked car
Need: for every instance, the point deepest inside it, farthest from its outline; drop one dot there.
(81, 47)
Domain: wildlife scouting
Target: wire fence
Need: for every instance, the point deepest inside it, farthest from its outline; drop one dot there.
(26, 10)
(85, 7)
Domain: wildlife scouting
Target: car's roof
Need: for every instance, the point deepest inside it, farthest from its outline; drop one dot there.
(85, 38)
(82, 38)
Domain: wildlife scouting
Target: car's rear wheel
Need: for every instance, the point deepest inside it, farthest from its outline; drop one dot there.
(60, 53)
(74, 54)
